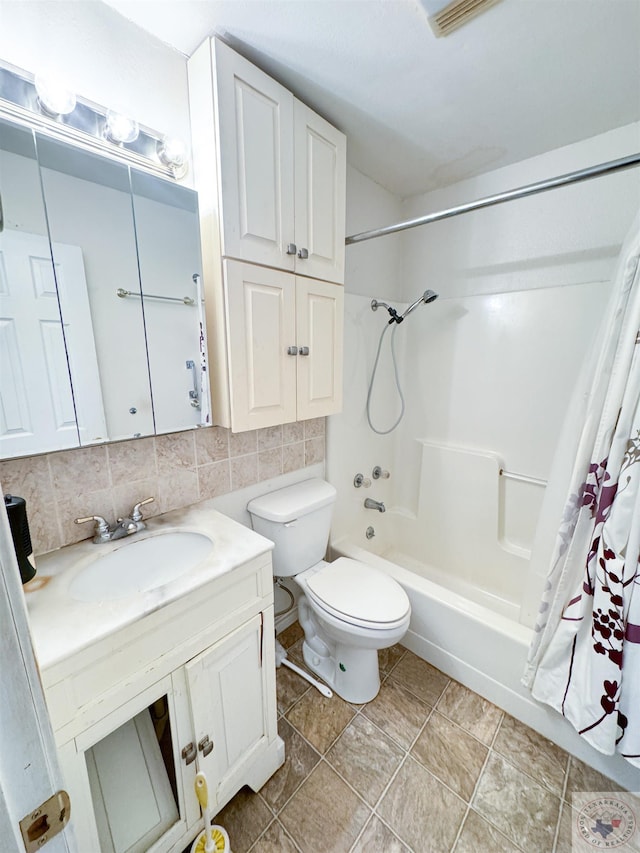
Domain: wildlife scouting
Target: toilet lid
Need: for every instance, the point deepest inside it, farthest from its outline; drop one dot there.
(355, 591)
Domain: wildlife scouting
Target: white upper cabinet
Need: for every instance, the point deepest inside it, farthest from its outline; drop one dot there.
(319, 330)
(285, 346)
(281, 168)
(320, 181)
(261, 307)
(255, 139)
(271, 178)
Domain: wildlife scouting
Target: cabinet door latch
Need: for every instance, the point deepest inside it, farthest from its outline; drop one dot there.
(189, 753)
(45, 822)
(205, 745)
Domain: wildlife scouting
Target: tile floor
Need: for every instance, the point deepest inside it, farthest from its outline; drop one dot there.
(427, 766)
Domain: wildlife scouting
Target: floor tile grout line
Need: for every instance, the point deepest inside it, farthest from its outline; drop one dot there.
(475, 790)
(490, 750)
(266, 829)
(390, 736)
(493, 751)
(348, 784)
(422, 699)
(384, 793)
(526, 773)
(475, 787)
(562, 803)
(450, 718)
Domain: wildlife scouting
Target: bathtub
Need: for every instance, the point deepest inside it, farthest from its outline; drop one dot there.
(479, 643)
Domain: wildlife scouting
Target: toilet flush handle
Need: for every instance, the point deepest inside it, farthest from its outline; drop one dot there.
(291, 523)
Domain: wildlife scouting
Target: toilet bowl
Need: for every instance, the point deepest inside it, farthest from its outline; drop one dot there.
(347, 610)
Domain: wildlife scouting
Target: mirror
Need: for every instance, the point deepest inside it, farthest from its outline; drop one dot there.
(36, 403)
(168, 237)
(117, 355)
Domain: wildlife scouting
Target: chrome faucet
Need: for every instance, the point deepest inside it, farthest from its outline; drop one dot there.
(126, 526)
(369, 503)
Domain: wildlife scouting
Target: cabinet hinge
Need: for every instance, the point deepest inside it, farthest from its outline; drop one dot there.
(45, 822)
(261, 635)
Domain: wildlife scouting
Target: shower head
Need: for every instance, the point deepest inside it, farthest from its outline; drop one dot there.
(427, 296)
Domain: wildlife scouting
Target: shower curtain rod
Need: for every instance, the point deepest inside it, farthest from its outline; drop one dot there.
(520, 192)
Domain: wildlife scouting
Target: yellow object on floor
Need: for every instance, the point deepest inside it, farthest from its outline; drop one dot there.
(220, 841)
(214, 839)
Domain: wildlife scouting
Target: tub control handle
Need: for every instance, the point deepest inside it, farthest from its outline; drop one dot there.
(379, 474)
(360, 480)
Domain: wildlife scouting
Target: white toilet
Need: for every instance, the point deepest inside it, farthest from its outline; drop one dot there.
(348, 610)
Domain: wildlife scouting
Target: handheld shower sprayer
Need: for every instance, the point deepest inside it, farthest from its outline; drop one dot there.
(427, 296)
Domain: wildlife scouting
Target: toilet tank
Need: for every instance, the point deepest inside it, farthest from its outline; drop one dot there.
(297, 519)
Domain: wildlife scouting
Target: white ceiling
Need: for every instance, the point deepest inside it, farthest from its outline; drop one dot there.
(419, 112)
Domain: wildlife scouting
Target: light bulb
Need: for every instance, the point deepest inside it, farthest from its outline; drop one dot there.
(172, 152)
(54, 97)
(119, 128)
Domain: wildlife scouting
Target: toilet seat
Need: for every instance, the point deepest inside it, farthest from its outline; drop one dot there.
(358, 594)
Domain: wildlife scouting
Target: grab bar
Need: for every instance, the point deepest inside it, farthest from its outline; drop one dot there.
(186, 300)
(523, 478)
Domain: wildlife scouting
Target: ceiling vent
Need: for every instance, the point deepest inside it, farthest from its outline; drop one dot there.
(456, 14)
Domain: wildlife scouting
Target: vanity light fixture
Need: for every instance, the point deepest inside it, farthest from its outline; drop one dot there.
(45, 103)
(54, 98)
(172, 152)
(119, 128)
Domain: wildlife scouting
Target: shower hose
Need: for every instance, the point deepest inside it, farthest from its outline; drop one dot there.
(397, 381)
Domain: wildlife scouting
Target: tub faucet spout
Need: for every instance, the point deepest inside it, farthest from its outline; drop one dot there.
(369, 503)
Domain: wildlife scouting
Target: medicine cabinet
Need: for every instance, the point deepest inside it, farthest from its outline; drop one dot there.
(100, 326)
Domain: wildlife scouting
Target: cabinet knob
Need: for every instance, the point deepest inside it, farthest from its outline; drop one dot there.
(292, 350)
(292, 249)
(205, 745)
(304, 351)
(304, 254)
(189, 753)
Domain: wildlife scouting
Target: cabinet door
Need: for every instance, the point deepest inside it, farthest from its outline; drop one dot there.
(320, 319)
(255, 127)
(260, 330)
(320, 182)
(228, 690)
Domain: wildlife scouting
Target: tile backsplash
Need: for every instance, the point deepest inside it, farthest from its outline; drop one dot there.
(176, 469)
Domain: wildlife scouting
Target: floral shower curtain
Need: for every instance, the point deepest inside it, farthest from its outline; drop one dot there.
(584, 660)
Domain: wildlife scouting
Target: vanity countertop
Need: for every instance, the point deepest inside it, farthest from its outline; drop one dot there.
(62, 626)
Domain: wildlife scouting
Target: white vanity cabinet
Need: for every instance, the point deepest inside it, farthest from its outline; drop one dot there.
(202, 667)
(285, 346)
(281, 168)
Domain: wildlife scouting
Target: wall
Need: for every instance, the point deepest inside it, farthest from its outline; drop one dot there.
(488, 368)
(373, 269)
(177, 469)
(105, 57)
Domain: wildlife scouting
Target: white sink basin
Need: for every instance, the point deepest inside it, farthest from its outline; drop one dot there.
(140, 566)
